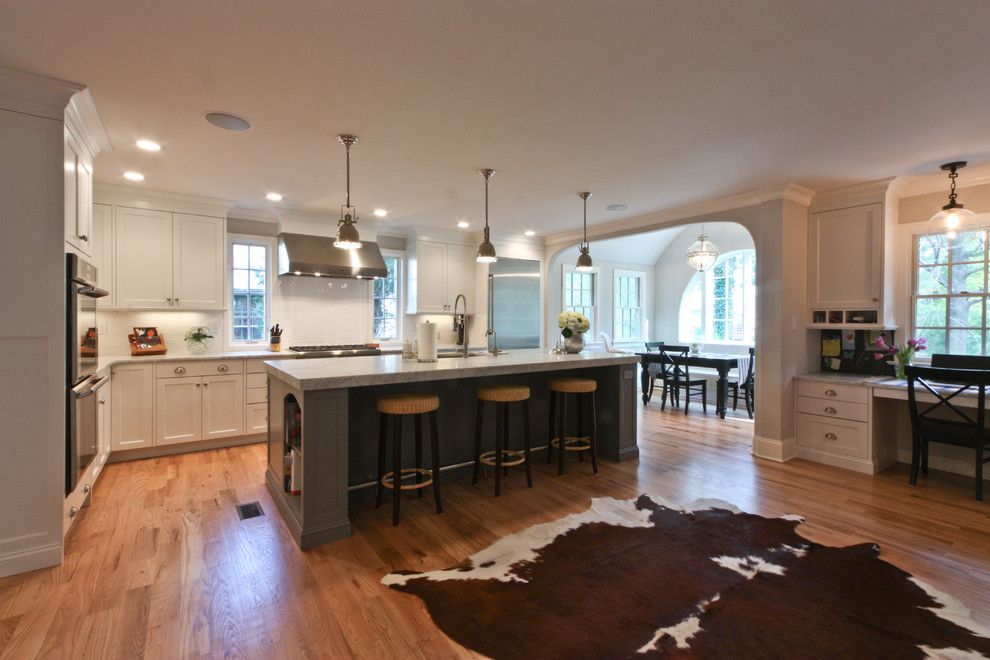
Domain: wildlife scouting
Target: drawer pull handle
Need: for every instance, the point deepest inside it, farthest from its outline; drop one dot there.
(73, 512)
(831, 436)
(830, 393)
(222, 367)
(830, 410)
(180, 370)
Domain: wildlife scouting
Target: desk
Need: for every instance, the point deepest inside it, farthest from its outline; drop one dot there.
(720, 362)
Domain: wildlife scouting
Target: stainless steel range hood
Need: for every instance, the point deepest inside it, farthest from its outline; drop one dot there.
(315, 256)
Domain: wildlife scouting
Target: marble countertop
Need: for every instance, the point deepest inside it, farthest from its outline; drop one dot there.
(845, 379)
(107, 361)
(335, 373)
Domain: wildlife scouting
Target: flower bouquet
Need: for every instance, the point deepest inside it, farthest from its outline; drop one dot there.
(573, 326)
(902, 355)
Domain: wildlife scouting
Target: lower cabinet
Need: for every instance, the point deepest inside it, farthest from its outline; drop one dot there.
(223, 406)
(255, 397)
(199, 408)
(832, 425)
(132, 406)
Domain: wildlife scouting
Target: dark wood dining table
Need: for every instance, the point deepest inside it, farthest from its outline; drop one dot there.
(721, 362)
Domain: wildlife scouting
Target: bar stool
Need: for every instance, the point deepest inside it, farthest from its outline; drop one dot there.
(502, 458)
(559, 389)
(399, 406)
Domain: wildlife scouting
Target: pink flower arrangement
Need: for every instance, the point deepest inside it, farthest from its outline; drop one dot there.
(902, 355)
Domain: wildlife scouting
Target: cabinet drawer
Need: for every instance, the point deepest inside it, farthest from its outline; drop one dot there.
(833, 435)
(198, 368)
(834, 391)
(256, 380)
(256, 395)
(255, 366)
(858, 412)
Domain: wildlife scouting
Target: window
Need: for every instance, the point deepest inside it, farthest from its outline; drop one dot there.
(386, 319)
(950, 292)
(250, 265)
(580, 295)
(719, 305)
(628, 305)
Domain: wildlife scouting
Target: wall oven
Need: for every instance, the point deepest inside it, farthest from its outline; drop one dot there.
(82, 358)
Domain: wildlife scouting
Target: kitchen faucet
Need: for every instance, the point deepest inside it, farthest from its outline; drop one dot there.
(461, 323)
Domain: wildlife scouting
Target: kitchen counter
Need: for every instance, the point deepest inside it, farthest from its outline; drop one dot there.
(844, 379)
(334, 401)
(106, 361)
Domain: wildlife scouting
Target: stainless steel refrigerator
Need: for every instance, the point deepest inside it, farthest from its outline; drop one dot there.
(514, 302)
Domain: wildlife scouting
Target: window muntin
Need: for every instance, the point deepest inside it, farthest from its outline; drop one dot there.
(949, 297)
(249, 291)
(579, 294)
(386, 320)
(628, 303)
(719, 304)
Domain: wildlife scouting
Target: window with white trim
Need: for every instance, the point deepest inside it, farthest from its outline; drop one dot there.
(719, 304)
(581, 295)
(628, 305)
(250, 290)
(949, 293)
(386, 307)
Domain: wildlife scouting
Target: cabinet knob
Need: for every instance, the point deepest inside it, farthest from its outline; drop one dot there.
(180, 370)
(222, 367)
(176, 301)
(73, 512)
(206, 384)
(103, 403)
(169, 300)
(84, 238)
(87, 488)
(830, 392)
(831, 436)
(876, 300)
(197, 384)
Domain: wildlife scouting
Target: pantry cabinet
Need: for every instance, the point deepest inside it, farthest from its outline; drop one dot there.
(132, 406)
(167, 260)
(437, 272)
(103, 251)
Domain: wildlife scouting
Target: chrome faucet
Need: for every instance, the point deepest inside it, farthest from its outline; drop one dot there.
(461, 323)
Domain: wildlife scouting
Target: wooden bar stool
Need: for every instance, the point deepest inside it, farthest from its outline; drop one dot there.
(502, 458)
(397, 407)
(559, 389)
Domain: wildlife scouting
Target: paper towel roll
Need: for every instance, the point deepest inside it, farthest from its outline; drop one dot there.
(426, 337)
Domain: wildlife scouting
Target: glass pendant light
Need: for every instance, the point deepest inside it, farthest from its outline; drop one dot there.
(347, 233)
(702, 253)
(486, 251)
(584, 263)
(954, 217)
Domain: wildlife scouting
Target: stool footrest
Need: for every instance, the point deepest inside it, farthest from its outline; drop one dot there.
(573, 443)
(488, 458)
(387, 478)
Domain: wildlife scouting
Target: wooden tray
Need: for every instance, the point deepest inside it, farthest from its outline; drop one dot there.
(161, 349)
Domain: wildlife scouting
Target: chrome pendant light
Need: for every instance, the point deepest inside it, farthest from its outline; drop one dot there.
(954, 217)
(584, 263)
(702, 253)
(347, 233)
(486, 251)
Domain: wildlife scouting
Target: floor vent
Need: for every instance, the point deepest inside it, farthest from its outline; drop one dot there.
(249, 510)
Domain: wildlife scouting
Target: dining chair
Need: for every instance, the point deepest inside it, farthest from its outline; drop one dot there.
(955, 361)
(944, 420)
(745, 383)
(676, 375)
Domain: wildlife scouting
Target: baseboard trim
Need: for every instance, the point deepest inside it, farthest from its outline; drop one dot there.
(943, 464)
(861, 465)
(780, 451)
(185, 448)
(31, 559)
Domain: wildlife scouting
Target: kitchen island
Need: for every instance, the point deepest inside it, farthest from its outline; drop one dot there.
(325, 409)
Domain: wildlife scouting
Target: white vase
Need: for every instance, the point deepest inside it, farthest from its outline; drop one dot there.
(199, 347)
(574, 343)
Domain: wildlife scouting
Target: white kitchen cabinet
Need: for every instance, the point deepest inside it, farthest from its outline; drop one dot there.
(255, 397)
(223, 406)
(103, 421)
(845, 258)
(197, 261)
(256, 418)
(132, 406)
(103, 251)
(180, 410)
(78, 173)
(437, 273)
(166, 261)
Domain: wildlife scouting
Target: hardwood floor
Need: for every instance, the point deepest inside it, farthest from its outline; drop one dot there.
(161, 566)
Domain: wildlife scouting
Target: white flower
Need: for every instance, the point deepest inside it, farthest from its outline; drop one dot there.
(575, 321)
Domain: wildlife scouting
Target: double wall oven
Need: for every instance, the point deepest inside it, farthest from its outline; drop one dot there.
(82, 358)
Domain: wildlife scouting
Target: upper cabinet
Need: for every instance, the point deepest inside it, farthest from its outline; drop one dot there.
(437, 273)
(78, 195)
(167, 260)
(103, 251)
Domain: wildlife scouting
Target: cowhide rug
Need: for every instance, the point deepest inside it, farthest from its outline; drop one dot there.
(628, 578)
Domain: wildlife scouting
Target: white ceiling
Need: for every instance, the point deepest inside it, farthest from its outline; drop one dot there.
(643, 249)
(652, 103)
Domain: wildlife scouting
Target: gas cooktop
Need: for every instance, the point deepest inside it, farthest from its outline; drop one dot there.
(335, 350)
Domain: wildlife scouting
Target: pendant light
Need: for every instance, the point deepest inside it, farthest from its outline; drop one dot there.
(486, 251)
(584, 263)
(347, 233)
(702, 253)
(953, 218)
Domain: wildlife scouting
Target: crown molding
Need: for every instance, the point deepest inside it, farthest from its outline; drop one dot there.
(83, 119)
(924, 184)
(32, 94)
(257, 215)
(792, 192)
(159, 200)
(855, 195)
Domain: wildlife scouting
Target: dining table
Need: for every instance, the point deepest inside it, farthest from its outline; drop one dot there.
(723, 363)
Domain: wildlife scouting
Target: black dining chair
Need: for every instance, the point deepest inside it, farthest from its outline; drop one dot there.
(745, 382)
(944, 420)
(676, 375)
(955, 361)
(656, 369)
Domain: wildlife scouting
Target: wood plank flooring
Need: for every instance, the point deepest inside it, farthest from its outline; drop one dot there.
(161, 567)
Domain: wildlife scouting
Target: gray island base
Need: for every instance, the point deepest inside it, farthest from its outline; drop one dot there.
(326, 409)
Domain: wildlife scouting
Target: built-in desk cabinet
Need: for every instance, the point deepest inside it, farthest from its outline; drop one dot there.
(832, 424)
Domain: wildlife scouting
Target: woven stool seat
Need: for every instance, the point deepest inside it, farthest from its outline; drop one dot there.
(503, 393)
(408, 404)
(573, 385)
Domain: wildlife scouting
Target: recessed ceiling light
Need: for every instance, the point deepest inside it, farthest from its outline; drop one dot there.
(529, 232)
(616, 207)
(273, 197)
(463, 224)
(149, 145)
(381, 213)
(133, 176)
(228, 121)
